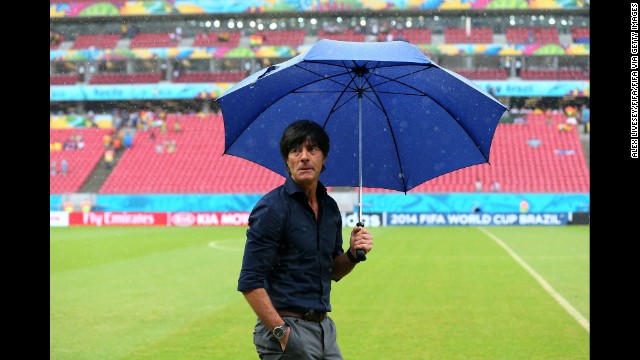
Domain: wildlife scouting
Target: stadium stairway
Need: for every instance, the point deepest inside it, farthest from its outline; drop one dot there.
(100, 174)
(585, 139)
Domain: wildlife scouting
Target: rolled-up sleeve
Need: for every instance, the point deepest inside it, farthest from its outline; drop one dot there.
(261, 247)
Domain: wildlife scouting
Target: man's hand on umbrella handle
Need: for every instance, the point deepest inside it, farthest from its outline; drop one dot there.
(361, 236)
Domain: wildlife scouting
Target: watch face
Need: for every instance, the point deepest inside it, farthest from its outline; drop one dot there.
(279, 332)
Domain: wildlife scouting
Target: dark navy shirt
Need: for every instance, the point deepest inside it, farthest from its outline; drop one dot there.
(288, 252)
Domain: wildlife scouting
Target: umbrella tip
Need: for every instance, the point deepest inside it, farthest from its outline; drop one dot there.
(269, 69)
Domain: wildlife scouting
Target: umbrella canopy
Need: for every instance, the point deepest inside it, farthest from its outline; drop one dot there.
(395, 119)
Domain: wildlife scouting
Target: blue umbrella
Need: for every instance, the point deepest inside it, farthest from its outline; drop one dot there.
(395, 119)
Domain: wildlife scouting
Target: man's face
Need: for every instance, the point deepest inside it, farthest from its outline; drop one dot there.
(305, 163)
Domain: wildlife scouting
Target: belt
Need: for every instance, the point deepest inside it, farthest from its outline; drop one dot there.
(309, 316)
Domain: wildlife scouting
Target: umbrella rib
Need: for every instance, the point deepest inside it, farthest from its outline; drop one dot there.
(344, 90)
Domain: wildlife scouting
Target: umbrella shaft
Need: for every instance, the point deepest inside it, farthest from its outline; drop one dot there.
(360, 157)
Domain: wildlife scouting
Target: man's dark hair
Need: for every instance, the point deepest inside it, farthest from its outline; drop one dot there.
(301, 131)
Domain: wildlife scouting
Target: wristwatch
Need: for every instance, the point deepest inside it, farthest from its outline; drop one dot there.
(279, 331)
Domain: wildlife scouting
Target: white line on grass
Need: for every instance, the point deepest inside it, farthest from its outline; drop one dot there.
(216, 245)
(563, 302)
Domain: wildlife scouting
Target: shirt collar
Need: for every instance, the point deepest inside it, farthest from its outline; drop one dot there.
(293, 188)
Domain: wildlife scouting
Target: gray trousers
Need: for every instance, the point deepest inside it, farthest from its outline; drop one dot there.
(308, 340)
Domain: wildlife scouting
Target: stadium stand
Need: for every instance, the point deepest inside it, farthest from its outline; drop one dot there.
(483, 74)
(201, 76)
(346, 35)
(196, 165)
(81, 161)
(553, 74)
(217, 38)
(532, 35)
(580, 35)
(292, 38)
(118, 78)
(477, 35)
(151, 40)
(55, 39)
(520, 164)
(98, 41)
(63, 79)
(413, 36)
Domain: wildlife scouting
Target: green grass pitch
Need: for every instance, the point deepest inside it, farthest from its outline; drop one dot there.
(440, 293)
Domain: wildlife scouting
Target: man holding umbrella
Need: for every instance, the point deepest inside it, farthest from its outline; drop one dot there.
(294, 250)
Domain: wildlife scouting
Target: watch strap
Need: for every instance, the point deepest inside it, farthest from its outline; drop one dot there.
(352, 258)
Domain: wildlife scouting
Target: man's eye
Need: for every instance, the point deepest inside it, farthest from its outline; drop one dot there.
(310, 149)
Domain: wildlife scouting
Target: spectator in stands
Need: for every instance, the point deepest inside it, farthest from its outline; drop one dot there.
(519, 120)
(53, 167)
(518, 67)
(64, 167)
(256, 40)
(124, 29)
(572, 122)
(106, 140)
(85, 205)
(548, 113)
(117, 142)
(163, 127)
(495, 186)
(290, 295)
(478, 185)
(91, 117)
(54, 38)
(177, 71)
(586, 116)
(171, 146)
(222, 36)
(79, 141)
(128, 140)
(68, 206)
(507, 65)
(133, 30)
(177, 127)
(108, 158)
(70, 144)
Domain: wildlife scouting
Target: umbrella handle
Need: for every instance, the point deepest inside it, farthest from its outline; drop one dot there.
(360, 255)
